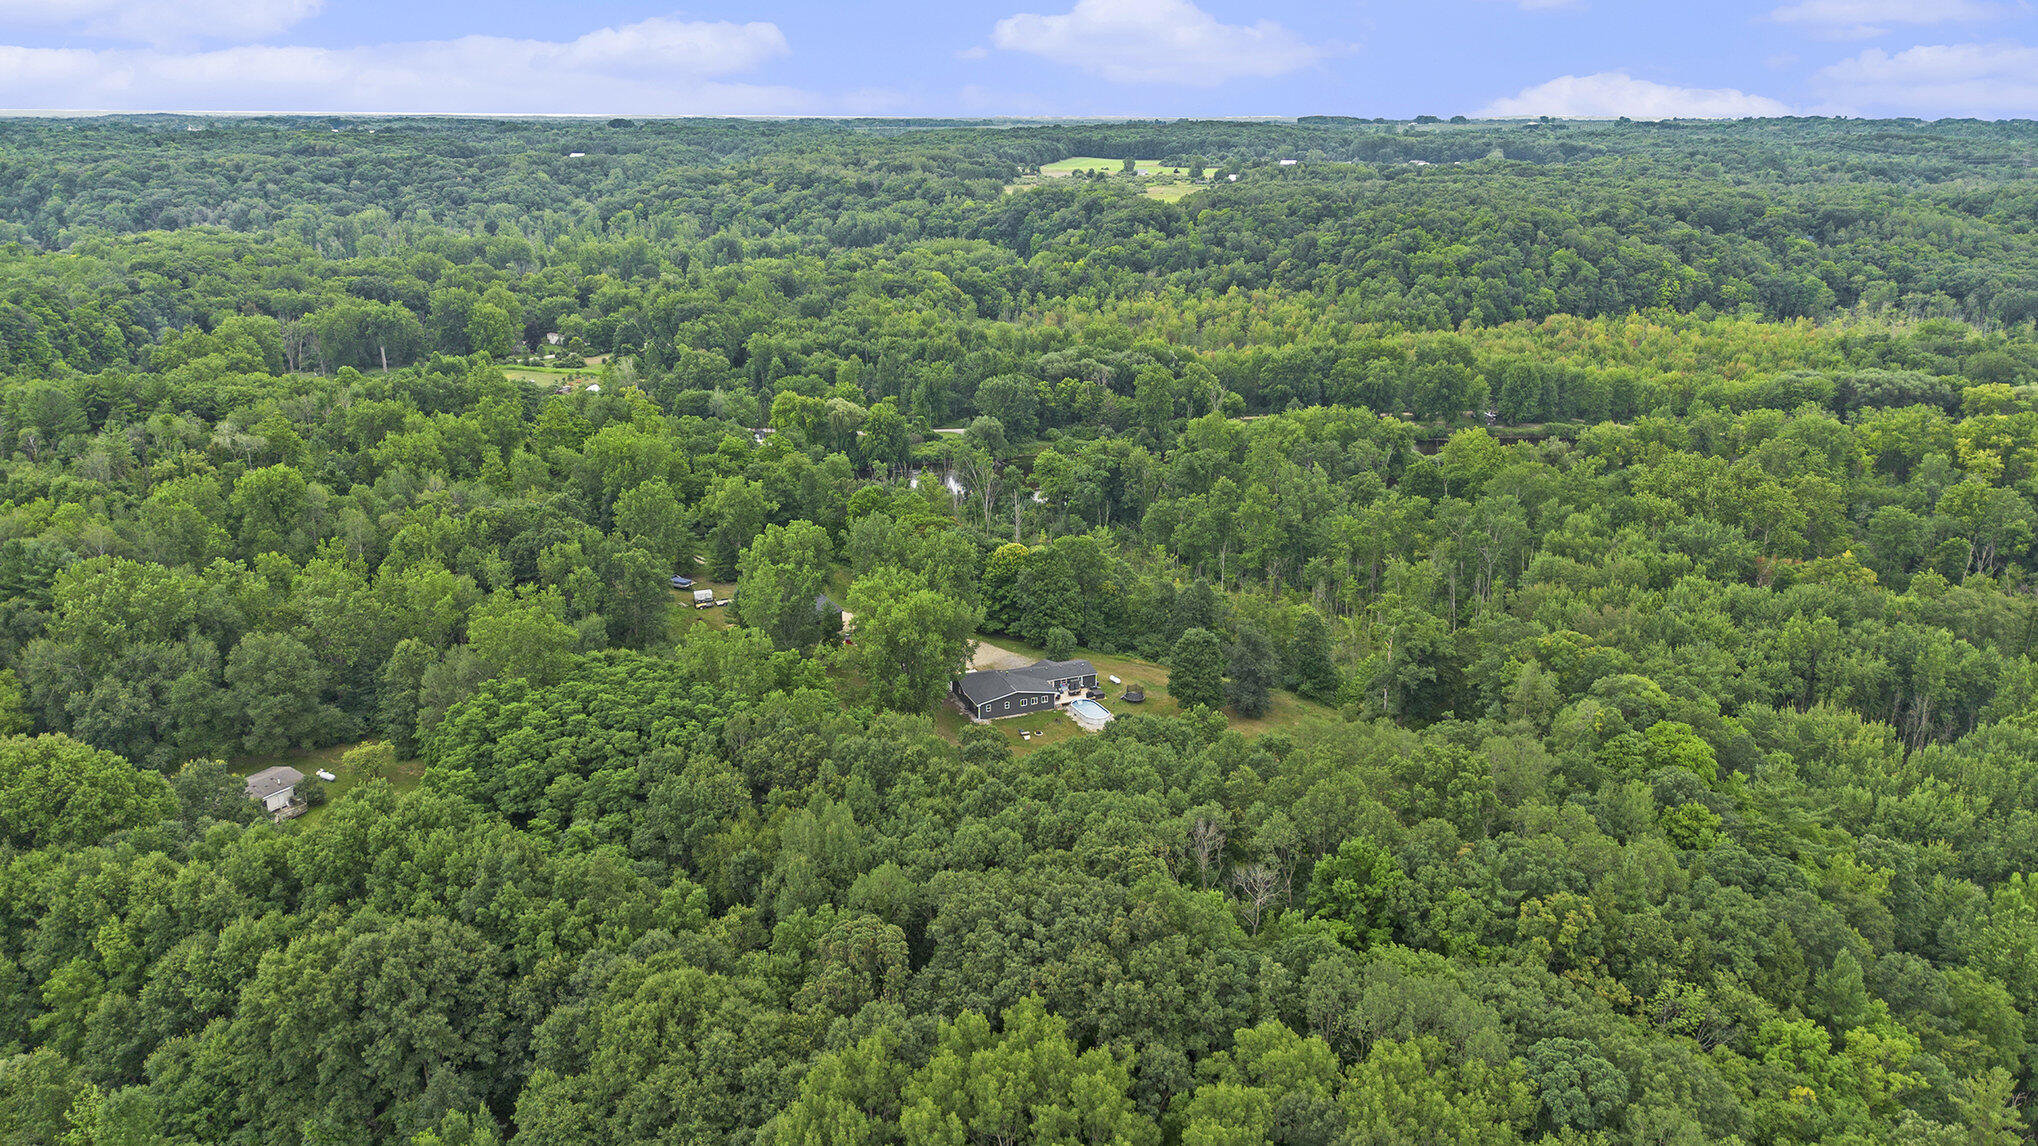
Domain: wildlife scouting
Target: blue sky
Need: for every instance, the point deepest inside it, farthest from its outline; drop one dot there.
(1925, 58)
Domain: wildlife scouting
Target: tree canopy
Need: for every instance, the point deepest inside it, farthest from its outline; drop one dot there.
(1581, 576)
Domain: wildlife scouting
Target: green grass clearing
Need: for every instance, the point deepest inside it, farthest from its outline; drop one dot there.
(840, 578)
(1066, 167)
(525, 368)
(685, 615)
(1167, 184)
(1286, 712)
(550, 375)
(403, 777)
(1047, 728)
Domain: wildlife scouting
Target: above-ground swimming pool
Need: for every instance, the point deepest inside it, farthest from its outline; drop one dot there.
(1089, 713)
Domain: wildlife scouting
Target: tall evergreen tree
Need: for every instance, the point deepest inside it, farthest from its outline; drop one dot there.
(1309, 659)
(1196, 671)
(1254, 671)
(1196, 607)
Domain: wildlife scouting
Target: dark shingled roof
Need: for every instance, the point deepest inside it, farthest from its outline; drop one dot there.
(270, 781)
(980, 688)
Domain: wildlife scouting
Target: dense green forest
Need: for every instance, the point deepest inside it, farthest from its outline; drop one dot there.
(1585, 572)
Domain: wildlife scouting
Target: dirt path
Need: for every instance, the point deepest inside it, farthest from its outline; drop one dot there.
(990, 656)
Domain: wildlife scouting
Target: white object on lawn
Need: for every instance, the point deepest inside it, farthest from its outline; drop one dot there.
(328, 777)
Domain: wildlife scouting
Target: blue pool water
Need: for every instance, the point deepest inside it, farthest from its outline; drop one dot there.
(1089, 709)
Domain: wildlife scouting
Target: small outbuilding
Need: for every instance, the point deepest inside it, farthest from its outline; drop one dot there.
(274, 788)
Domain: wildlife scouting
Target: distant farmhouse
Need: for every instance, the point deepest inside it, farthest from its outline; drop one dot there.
(994, 693)
(275, 788)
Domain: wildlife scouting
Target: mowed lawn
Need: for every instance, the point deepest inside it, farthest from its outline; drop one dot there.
(403, 777)
(553, 375)
(685, 615)
(1168, 184)
(1065, 167)
(1287, 711)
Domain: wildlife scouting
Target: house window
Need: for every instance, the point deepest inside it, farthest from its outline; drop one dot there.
(1008, 706)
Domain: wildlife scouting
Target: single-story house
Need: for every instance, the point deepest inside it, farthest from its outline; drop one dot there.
(274, 787)
(993, 693)
(834, 622)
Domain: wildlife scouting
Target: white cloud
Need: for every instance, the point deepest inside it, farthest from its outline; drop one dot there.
(1617, 93)
(1861, 19)
(162, 21)
(1982, 80)
(1542, 5)
(1155, 41)
(657, 66)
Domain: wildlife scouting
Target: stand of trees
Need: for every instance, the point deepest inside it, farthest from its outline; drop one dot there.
(1650, 510)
